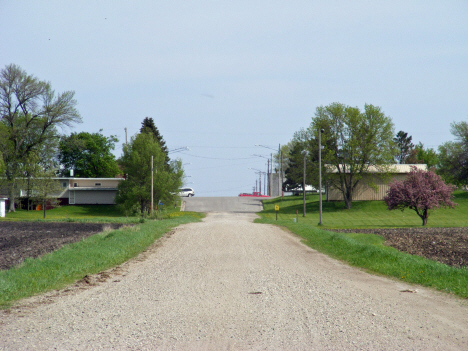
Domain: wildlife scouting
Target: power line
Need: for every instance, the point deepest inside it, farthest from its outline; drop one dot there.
(218, 158)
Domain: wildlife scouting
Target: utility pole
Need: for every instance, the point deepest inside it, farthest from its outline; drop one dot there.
(126, 143)
(320, 174)
(304, 186)
(271, 176)
(268, 174)
(152, 192)
(282, 180)
(280, 170)
(260, 182)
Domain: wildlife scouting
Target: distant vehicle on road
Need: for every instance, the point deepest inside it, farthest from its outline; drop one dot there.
(186, 192)
(254, 194)
(309, 189)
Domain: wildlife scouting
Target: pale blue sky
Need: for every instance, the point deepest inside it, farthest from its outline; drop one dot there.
(222, 76)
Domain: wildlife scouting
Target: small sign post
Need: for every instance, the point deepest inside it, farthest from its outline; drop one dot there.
(276, 210)
(2, 206)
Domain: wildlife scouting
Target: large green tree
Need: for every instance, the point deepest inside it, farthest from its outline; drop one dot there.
(89, 155)
(453, 156)
(30, 115)
(420, 154)
(134, 194)
(354, 141)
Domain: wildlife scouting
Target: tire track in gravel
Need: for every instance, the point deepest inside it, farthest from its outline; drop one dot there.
(229, 284)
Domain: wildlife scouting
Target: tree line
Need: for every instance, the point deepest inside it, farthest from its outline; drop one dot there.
(357, 141)
(34, 149)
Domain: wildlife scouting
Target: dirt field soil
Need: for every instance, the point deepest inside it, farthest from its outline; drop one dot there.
(20, 240)
(445, 245)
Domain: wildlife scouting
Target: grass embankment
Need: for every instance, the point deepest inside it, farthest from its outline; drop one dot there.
(92, 255)
(367, 250)
(86, 213)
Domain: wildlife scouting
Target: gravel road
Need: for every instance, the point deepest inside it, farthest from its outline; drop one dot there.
(237, 204)
(230, 284)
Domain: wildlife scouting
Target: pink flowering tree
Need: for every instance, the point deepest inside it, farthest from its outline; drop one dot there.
(421, 191)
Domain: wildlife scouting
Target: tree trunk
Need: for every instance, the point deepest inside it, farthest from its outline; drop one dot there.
(348, 198)
(11, 196)
(424, 217)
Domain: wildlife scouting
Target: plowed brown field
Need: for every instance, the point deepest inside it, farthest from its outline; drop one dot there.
(20, 240)
(445, 245)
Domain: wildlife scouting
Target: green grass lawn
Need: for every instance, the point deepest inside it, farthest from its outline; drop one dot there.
(364, 214)
(91, 255)
(83, 213)
(367, 250)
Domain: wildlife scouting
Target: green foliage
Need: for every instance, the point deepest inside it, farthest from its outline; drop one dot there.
(295, 171)
(354, 141)
(453, 156)
(363, 214)
(30, 113)
(421, 155)
(134, 194)
(92, 255)
(2, 165)
(89, 154)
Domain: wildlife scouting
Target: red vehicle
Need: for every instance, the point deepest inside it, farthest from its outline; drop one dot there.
(254, 194)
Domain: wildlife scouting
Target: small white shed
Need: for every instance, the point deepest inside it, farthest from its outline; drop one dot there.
(2, 206)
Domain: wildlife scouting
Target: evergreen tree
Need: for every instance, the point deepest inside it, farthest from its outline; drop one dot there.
(404, 146)
(148, 126)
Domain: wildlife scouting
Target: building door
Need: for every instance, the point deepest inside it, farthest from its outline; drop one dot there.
(71, 197)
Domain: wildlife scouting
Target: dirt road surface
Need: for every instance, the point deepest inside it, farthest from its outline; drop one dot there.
(236, 204)
(230, 284)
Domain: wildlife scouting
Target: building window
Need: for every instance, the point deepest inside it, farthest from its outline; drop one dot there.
(97, 184)
(75, 185)
(64, 184)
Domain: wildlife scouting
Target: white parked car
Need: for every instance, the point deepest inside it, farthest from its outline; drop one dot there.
(186, 192)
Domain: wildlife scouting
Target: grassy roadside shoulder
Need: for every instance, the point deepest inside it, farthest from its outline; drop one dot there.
(366, 250)
(89, 256)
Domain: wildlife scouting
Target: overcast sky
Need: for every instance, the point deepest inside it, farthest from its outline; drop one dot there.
(222, 76)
